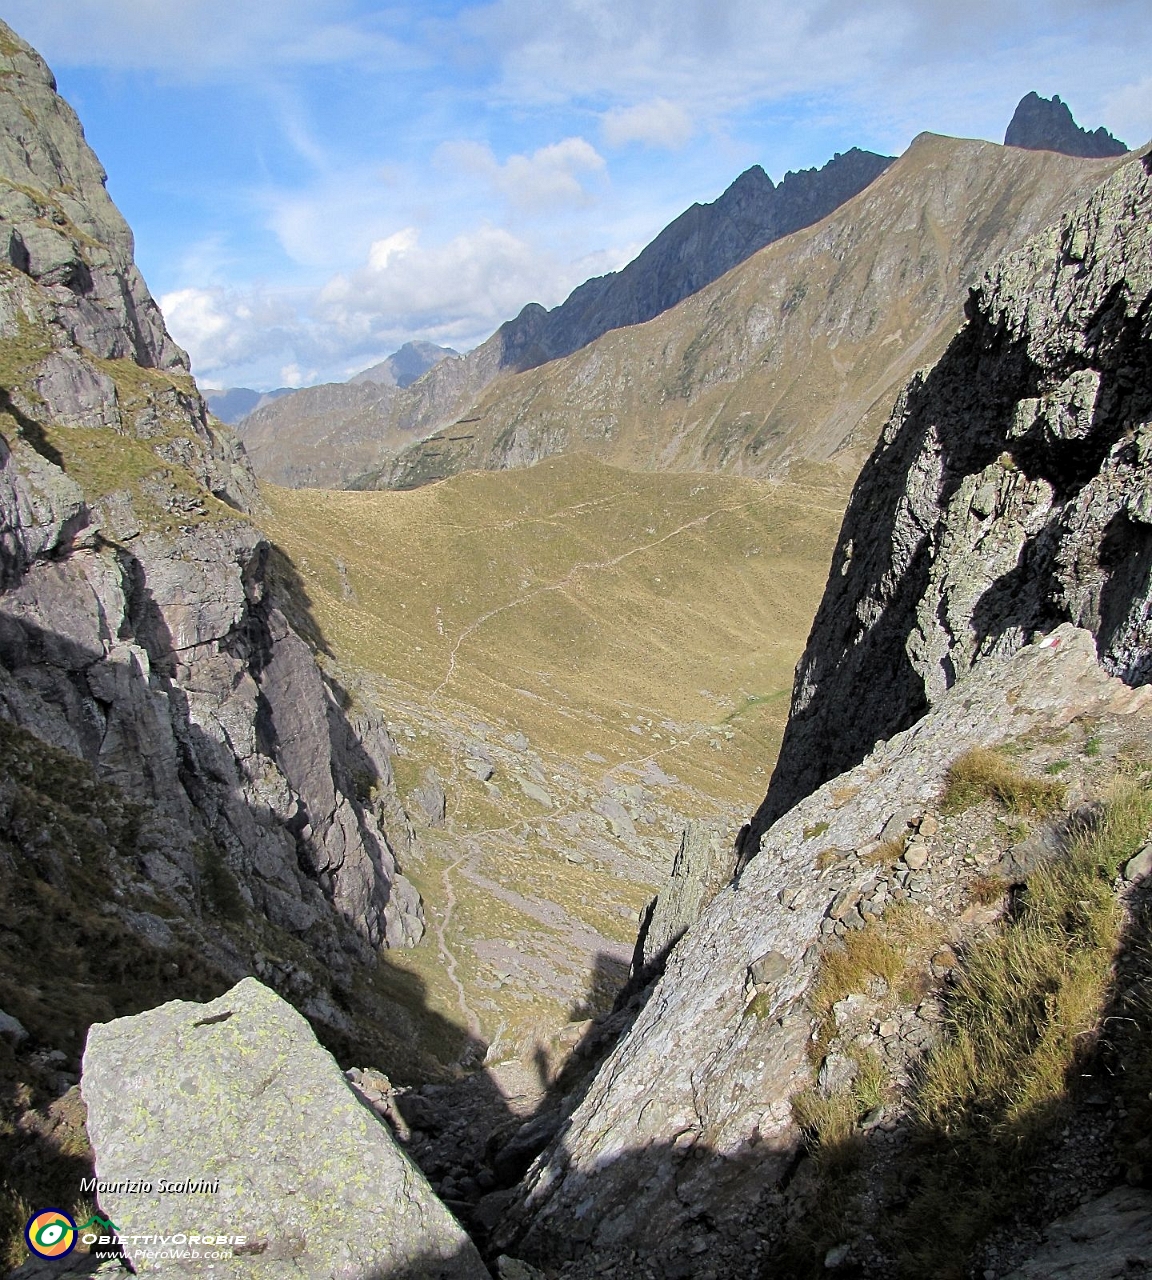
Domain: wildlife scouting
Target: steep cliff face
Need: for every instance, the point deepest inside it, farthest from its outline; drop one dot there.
(814, 998)
(686, 1154)
(138, 630)
(1008, 493)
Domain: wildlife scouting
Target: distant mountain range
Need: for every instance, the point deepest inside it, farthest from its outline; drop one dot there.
(400, 369)
(698, 247)
(543, 382)
(796, 353)
(328, 436)
(230, 404)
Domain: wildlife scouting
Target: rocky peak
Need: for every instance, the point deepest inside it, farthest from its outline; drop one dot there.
(61, 227)
(1046, 124)
(403, 367)
(699, 246)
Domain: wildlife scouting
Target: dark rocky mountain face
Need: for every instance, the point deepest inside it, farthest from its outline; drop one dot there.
(1008, 493)
(1046, 124)
(698, 247)
(798, 352)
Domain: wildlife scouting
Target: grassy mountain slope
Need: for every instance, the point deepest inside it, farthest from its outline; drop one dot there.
(620, 646)
(327, 436)
(799, 351)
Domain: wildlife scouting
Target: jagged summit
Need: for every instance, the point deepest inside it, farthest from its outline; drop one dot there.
(1046, 124)
(699, 246)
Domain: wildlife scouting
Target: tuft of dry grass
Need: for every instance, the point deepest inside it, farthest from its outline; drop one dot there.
(891, 946)
(987, 889)
(982, 774)
(885, 854)
(1024, 1019)
(831, 1122)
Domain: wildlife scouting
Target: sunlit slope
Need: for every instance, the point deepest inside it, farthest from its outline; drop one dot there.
(799, 351)
(619, 646)
(568, 599)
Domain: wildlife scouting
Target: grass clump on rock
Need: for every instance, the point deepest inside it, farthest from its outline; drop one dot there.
(1024, 1021)
(983, 774)
(831, 1122)
(888, 947)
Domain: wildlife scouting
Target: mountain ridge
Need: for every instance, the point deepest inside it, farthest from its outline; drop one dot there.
(331, 444)
(798, 351)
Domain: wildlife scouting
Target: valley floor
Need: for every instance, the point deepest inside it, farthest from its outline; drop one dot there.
(574, 661)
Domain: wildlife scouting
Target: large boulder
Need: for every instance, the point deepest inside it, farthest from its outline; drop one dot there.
(238, 1095)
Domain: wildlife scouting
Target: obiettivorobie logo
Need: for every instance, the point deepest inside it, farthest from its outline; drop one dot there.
(51, 1233)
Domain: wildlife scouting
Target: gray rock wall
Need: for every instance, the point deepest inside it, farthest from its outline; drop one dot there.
(137, 627)
(1009, 492)
(686, 1136)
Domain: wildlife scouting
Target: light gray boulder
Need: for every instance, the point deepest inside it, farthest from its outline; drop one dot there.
(238, 1094)
(1105, 1238)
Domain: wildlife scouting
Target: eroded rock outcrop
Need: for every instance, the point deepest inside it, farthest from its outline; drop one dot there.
(138, 629)
(1008, 493)
(685, 1148)
(237, 1095)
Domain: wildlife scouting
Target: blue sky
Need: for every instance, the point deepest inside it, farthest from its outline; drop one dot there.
(314, 182)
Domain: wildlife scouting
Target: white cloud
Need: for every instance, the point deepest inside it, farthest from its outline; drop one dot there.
(198, 39)
(550, 177)
(658, 123)
(454, 293)
(464, 287)
(1128, 112)
(716, 57)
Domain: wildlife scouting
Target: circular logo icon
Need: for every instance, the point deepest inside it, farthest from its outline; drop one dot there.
(50, 1233)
